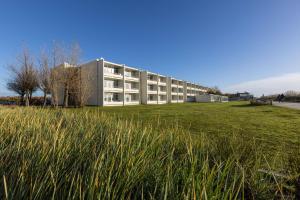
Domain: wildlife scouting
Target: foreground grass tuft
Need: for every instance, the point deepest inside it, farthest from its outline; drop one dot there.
(62, 154)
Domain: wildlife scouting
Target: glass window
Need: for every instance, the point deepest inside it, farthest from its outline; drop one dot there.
(128, 74)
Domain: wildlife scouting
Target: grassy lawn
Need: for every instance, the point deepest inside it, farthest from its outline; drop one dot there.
(174, 151)
(271, 125)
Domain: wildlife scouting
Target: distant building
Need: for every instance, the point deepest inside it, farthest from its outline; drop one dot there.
(241, 96)
(211, 98)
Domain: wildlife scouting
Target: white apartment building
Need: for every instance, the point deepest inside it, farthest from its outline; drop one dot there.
(153, 88)
(113, 84)
(176, 91)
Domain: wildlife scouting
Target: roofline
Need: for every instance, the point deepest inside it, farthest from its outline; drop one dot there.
(142, 70)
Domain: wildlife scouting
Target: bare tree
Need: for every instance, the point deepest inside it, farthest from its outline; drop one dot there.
(292, 93)
(83, 90)
(66, 80)
(70, 76)
(44, 76)
(57, 57)
(25, 78)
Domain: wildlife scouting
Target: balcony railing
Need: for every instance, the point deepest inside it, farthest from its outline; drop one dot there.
(131, 76)
(113, 88)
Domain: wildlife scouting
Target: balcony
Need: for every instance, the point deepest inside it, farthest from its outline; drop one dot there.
(162, 92)
(113, 89)
(131, 77)
(162, 102)
(113, 75)
(113, 103)
(151, 102)
(112, 72)
(174, 91)
(152, 90)
(132, 90)
(133, 102)
(152, 81)
(162, 83)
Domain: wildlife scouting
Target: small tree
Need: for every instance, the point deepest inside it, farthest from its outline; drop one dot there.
(69, 75)
(16, 86)
(83, 90)
(292, 93)
(24, 79)
(214, 90)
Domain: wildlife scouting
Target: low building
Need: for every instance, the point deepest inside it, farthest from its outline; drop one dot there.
(211, 98)
(241, 96)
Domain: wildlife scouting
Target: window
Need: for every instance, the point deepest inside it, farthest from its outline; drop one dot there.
(116, 97)
(151, 78)
(111, 70)
(162, 98)
(127, 97)
(151, 98)
(162, 89)
(151, 88)
(116, 84)
(108, 83)
(108, 97)
(111, 97)
(128, 74)
(161, 79)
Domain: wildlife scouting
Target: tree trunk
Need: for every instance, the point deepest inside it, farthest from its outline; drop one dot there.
(27, 99)
(22, 99)
(66, 97)
(45, 99)
(30, 96)
(54, 100)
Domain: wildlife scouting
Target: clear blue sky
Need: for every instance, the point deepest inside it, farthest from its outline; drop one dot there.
(211, 42)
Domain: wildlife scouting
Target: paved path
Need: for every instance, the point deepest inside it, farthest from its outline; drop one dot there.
(287, 105)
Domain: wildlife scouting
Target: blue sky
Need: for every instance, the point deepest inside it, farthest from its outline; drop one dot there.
(214, 43)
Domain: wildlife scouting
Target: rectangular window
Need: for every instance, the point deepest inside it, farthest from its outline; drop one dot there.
(128, 74)
(116, 97)
(108, 97)
(127, 97)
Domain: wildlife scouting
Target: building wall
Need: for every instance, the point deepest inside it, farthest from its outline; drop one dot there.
(94, 70)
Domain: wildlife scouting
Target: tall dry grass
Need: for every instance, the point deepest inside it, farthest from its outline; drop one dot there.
(64, 154)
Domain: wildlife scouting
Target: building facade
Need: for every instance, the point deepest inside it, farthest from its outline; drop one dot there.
(112, 84)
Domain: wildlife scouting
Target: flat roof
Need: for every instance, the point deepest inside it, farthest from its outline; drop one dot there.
(152, 73)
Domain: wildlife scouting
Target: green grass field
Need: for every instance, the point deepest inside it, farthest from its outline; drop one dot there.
(174, 151)
(272, 125)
